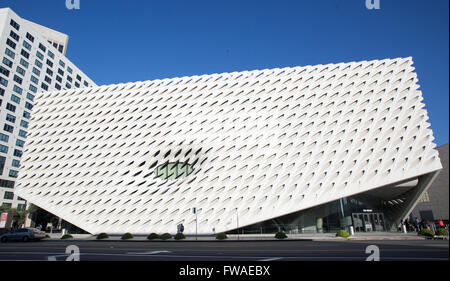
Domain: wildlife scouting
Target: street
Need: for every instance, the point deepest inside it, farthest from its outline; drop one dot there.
(421, 250)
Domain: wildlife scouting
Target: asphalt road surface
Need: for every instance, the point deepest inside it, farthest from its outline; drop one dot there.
(422, 250)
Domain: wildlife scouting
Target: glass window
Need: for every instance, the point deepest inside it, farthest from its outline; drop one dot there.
(4, 138)
(24, 53)
(77, 84)
(78, 77)
(3, 148)
(11, 107)
(15, 163)
(49, 63)
(14, 35)
(24, 63)
(61, 63)
(69, 78)
(34, 80)
(69, 69)
(26, 114)
(10, 53)
(42, 47)
(30, 97)
(15, 98)
(44, 86)
(59, 79)
(20, 70)
(68, 86)
(17, 79)
(60, 71)
(3, 81)
(48, 80)
(18, 153)
(40, 55)
(57, 86)
(24, 123)
(30, 37)
(17, 89)
(28, 105)
(33, 89)
(36, 71)
(14, 24)
(10, 43)
(8, 195)
(2, 93)
(26, 45)
(49, 71)
(4, 71)
(20, 143)
(10, 118)
(7, 62)
(22, 133)
(13, 173)
(50, 54)
(38, 63)
(8, 128)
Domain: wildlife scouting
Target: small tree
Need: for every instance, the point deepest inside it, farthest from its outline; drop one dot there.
(442, 232)
(126, 236)
(342, 233)
(280, 235)
(166, 236)
(221, 236)
(102, 236)
(152, 236)
(179, 236)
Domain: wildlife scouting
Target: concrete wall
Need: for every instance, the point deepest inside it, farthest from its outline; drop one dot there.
(438, 192)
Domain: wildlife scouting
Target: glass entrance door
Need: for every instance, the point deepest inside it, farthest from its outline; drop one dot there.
(367, 222)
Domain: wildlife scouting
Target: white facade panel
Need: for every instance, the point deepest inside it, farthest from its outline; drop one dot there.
(261, 144)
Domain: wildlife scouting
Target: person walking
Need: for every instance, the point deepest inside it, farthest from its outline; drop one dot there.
(181, 228)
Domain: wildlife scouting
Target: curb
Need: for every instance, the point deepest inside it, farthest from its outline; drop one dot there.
(248, 240)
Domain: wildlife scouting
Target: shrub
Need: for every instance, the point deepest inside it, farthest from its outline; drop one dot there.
(221, 236)
(66, 236)
(280, 235)
(47, 236)
(442, 232)
(102, 236)
(179, 236)
(126, 236)
(152, 236)
(166, 236)
(426, 232)
(342, 233)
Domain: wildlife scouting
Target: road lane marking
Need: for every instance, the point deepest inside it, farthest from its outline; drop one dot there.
(271, 259)
(148, 253)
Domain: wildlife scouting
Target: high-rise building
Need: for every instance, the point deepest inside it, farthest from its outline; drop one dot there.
(301, 149)
(32, 60)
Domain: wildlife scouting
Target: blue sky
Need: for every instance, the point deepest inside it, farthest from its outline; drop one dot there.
(125, 41)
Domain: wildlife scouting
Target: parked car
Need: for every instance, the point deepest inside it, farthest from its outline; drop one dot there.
(23, 234)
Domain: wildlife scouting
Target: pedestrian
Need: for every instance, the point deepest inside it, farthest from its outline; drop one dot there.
(181, 228)
(178, 228)
(441, 224)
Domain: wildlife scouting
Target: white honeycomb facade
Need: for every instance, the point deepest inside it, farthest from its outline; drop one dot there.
(262, 144)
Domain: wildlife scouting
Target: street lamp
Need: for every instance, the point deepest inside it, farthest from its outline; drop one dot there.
(237, 222)
(194, 210)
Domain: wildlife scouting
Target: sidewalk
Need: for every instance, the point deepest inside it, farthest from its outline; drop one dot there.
(261, 237)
